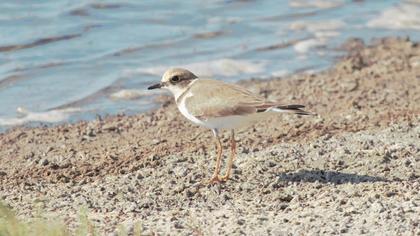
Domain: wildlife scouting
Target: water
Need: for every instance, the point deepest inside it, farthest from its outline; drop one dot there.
(66, 60)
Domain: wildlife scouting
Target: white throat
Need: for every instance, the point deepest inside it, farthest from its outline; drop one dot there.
(178, 91)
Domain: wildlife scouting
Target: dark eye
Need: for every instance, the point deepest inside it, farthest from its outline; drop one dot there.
(175, 78)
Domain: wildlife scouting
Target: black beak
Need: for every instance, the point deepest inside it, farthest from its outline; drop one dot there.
(155, 86)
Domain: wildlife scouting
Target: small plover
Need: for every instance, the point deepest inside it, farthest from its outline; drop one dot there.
(218, 105)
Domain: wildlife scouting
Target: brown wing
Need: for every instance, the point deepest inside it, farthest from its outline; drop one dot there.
(217, 99)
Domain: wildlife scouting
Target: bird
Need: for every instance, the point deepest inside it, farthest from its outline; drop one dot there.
(218, 105)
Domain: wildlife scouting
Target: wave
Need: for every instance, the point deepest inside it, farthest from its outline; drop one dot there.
(321, 4)
(222, 67)
(132, 94)
(405, 16)
(322, 32)
(26, 116)
(38, 42)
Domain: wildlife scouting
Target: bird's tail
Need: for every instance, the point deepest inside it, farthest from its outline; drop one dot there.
(295, 109)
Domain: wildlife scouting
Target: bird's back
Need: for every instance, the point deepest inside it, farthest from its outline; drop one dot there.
(217, 98)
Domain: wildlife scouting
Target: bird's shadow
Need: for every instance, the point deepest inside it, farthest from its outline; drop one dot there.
(325, 176)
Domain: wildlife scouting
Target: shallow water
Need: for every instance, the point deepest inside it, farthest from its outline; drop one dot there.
(64, 60)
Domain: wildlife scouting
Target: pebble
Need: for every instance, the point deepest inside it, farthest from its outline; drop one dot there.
(44, 162)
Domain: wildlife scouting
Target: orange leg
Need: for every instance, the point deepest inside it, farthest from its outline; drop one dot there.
(215, 178)
(231, 158)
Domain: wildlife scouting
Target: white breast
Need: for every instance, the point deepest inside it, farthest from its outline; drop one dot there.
(184, 111)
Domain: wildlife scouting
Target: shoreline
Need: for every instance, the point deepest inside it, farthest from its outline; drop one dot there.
(354, 168)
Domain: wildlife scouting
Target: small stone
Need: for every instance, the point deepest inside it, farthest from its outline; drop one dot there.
(91, 133)
(283, 206)
(377, 207)
(390, 194)
(266, 191)
(44, 162)
(178, 225)
(414, 61)
(29, 155)
(285, 198)
(245, 150)
(109, 127)
(190, 193)
(271, 164)
(241, 222)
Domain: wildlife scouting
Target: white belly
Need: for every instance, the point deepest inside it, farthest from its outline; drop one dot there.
(229, 122)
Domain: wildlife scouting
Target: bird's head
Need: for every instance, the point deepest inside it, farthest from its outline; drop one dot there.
(175, 80)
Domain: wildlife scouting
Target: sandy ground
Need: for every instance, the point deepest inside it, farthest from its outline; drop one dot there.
(353, 169)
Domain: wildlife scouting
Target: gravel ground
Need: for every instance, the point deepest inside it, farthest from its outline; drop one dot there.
(353, 169)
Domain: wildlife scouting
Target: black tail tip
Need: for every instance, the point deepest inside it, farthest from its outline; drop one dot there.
(291, 107)
(305, 113)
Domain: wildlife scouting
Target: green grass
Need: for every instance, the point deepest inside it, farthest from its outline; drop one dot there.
(10, 225)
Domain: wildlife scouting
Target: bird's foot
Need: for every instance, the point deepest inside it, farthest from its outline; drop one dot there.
(225, 177)
(215, 179)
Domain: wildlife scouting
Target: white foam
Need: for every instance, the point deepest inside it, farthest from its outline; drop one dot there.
(305, 45)
(280, 73)
(223, 20)
(222, 67)
(311, 26)
(321, 4)
(26, 116)
(322, 32)
(132, 94)
(326, 34)
(404, 16)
